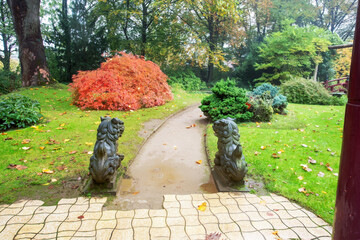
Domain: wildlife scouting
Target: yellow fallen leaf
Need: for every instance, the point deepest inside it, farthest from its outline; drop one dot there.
(89, 143)
(48, 171)
(199, 162)
(134, 193)
(66, 140)
(96, 123)
(34, 127)
(42, 148)
(63, 124)
(262, 202)
(45, 184)
(202, 207)
(324, 192)
(263, 147)
(301, 178)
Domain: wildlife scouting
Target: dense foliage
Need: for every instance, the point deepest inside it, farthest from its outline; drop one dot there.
(17, 111)
(186, 79)
(227, 100)
(304, 91)
(9, 81)
(294, 51)
(124, 82)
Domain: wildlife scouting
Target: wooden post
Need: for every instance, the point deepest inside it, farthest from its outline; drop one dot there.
(347, 208)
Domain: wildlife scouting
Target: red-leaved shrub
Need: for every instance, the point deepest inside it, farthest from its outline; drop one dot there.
(124, 82)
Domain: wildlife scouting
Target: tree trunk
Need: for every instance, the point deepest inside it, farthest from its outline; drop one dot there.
(34, 69)
(144, 29)
(67, 38)
(316, 72)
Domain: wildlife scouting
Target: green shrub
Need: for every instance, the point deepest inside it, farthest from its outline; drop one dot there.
(300, 90)
(9, 81)
(17, 111)
(227, 100)
(261, 107)
(278, 101)
(187, 80)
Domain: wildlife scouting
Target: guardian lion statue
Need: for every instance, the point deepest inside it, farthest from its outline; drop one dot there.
(105, 161)
(229, 157)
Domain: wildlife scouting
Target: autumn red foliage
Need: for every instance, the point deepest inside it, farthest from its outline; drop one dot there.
(125, 82)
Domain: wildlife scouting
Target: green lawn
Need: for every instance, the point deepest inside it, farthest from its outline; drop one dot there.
(62, 142)
(307, 131)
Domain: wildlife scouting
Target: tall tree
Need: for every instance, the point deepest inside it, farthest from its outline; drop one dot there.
(77, 41)
(25, 14)
(7, 35)
(336, 15)
(210, 22)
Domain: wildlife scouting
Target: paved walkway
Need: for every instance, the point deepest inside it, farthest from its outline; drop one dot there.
(234, 215)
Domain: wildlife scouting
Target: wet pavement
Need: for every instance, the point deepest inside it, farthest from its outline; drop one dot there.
(233, 216)
(167, 164)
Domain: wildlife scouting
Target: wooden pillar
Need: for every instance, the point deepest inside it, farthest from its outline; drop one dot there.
(347, 208)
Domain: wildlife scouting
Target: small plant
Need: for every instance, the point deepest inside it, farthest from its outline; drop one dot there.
(277, 101)
(261, 107)
(124, 82)
(227, 100)
(17, 111)
(304, 91)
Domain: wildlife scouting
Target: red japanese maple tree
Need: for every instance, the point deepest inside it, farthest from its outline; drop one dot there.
(125, 82)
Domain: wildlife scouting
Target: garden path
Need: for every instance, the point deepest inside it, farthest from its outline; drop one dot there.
(167, 164)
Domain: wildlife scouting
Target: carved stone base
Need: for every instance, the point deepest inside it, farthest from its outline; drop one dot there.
(104, 188)
(223, 184)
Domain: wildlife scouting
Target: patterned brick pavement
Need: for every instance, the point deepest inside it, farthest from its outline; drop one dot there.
(235, 215)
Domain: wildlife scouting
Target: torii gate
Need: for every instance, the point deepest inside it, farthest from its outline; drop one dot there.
(347, 207)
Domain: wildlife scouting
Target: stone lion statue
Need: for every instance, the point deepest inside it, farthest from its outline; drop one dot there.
(229, 156)
(105, 161)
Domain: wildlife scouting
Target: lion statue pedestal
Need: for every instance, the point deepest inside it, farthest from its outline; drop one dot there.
(230, 166)
(105, 160)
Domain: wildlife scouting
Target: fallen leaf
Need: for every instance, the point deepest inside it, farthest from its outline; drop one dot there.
(321, 174)
(274, 155)
(257, 153)
(26, 141)
(134, 193)
(323, 192)
(3, 133)
(57, 148)
(47, 171)
(8, 138)
(305, 167)
(330, 169)
(202, 207)
(89, 143)
(63, 124)
(81, 217)
(72, 152)
(15, 166)
(199, 162)
(262, 202)
(34, 127)
(42, 148)
(61, 114)
(45, 184)
(336, 174)
(302, 190)
(263, 147)
(301, 178)
(304, 145)
(312, 161)
(90, 152)
(53, 180)
(38, 173)
(61, 168)
(26, 148)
